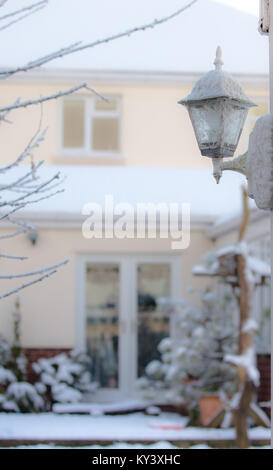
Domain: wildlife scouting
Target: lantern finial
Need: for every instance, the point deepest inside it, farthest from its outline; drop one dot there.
(217, 168)
(218, 59)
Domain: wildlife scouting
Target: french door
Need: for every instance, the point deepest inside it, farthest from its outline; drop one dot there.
(121, 319)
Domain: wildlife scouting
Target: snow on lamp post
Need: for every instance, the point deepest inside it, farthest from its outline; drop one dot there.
(218, 109)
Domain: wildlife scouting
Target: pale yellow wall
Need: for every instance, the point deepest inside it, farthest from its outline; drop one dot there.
(155, 130)
(49, 311)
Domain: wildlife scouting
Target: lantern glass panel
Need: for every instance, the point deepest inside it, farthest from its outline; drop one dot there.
(218, 124)
(234, 119)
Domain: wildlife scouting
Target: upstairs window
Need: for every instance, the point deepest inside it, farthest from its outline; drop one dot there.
(90, 126)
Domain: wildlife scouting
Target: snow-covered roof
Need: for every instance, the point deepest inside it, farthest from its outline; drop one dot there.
(85, 184)
(186, 43)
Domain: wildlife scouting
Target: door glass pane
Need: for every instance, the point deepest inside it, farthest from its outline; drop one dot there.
(102, 314)
(153, 323)
(105, 134)
(73, 123)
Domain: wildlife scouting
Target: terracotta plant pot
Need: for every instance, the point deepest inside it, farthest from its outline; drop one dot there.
(208, 406)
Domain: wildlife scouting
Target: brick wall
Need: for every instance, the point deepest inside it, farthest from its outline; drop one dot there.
(33, 354)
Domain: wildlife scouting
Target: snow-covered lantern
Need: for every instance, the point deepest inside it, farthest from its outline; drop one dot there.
(218, 109)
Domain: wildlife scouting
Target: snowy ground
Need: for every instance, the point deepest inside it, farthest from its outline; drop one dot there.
(136, 427)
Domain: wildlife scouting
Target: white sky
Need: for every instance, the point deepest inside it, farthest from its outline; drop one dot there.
(174, 46)
(251, 6)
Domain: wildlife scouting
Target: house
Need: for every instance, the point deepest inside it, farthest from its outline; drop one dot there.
(136, 148)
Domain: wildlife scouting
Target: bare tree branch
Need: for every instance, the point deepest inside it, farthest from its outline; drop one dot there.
(21, 224)
(80, 47)
(12, 211)
(23, 286)
(42, 99)
(21, 180)
(22, 258)
(33, 144)
(48, 196)
(30, 193)
(13, 234)
(22, 10)
(24, 227)
(35, 272)
(39, 6)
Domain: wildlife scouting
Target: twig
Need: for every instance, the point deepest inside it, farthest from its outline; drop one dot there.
(22, 10)
(13, 234)
(22, 258)
(27, 151)
(23, 286)
(20, 18)
(34, 273)
(42, 99)
(30, 193)
(20, 180)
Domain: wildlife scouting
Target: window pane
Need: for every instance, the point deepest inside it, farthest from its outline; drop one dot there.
(153, 323)
(102, 105)
(102, 316)
(105, 134)
(73, 123)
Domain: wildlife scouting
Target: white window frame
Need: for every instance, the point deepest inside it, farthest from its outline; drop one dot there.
(89, 113)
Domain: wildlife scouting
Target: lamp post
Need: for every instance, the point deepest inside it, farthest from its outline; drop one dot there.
(218, 108)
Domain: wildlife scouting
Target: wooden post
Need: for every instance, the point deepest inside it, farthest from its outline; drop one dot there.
(245, 340)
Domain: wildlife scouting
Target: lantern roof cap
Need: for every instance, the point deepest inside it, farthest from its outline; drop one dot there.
(217, 84)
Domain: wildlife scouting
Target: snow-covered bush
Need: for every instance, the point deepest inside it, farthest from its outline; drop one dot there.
(6, 378)
(12, 358)
(23, 397)
(192, 361)
(64, 378)
(15, 393)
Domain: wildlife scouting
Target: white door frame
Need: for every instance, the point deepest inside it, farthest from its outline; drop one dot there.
(127, 350)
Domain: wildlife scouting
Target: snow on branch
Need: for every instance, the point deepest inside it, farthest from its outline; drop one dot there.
(24, 104)
(33, 144)
(35, 272)
(250, 326)
(248, 362)
(76, 47)
(27, 284)
(22, 10)
(18, 200)
(22, 258)
(22, 14)
(23, 228)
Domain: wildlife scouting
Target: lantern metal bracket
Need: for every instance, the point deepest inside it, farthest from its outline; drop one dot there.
(257, 163)
(238, 164)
